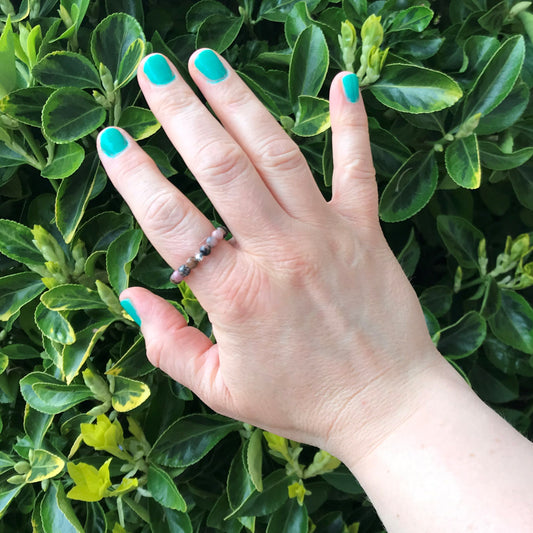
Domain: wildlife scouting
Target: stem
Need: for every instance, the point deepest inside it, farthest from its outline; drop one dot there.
(472, 283)
(33, 145)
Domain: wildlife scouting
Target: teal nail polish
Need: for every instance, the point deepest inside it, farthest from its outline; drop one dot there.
(112, 142)
(128, 307)
(158, 70)
(350, 84)
(208, 63)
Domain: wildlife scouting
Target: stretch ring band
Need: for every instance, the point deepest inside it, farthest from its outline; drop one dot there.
(184, 270)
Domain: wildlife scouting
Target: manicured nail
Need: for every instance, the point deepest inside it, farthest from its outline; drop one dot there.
(208, 63)
(112, 142)
(128, 307)
(158, 70)
(350, 84)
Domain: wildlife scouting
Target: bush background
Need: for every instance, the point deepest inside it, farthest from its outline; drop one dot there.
(92, 437)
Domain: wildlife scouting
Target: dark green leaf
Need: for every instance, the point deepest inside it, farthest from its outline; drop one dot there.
(309, 64)
(17, 290)
(492, 385)
(410, 189)
(278, 10)
(164, 490)
(507, 359)
(122, 251)
(203, 9)
(312, 117)
(513, 322)
(462, 162)
(497, 78)
(494, 158)
(165, 520)
(67, 159)
(190, 438)
(297, 20)
(138, 122)
(438, 299)
(57, 513)
(291, 518)
(218, 32)
(415, 18)
(464, 337)
(66, 69)
(71, 297)
(461, 239)
(16, 242)
(54, 325)
(26, 105)
(239, 485)
(410, 254)
(413, 89)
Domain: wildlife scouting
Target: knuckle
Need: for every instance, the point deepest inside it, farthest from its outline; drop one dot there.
(360, 168)
(172, 104)
(163, 214)
(221, 160)
(282, 154)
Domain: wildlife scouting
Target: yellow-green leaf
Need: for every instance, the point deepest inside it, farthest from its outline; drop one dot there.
(128, 394)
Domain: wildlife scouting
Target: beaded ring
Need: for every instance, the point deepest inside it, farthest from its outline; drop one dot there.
(184, 270)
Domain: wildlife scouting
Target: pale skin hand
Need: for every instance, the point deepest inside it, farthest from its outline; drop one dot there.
(320, 337)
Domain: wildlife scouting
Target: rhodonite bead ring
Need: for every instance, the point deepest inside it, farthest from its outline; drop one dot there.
(208, 244)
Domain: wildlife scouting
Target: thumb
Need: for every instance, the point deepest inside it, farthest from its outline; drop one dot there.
(181, 351)
(354, 185)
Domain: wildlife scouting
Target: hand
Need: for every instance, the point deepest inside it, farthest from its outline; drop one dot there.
(318, 330)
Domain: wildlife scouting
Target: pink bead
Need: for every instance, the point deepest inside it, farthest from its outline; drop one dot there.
(220, 233)
(176, 277)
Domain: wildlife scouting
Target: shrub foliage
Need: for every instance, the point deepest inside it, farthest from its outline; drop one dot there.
(93, 438)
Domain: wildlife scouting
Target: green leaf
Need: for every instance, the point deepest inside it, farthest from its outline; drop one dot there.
(128, 394)
(75, 354)
(278, 10)
(26, 105)
(8, 70)
(254, 459)
(54, 325)
(297, 20)
(410, 189)
(165, 520)
(462, 162)
(494, 158)
(164, 490)
(415, 18)
(7, 495)
(50, 395)
(73, 195)
(122, 251)
(309, 64)
(409, 255)
(239, 484)
(66, 69)
(17, 290)
(497, 78)
(312, 117)
(464, 337)
(218, 32)
(67, 159)
(513, 322)
(291, 518)
(413, 89)
(190, 438)
(200, 11)
(57, 513)
(438, 299)
(140, 123)
(44, 465)
(102, 229)
(522, 182)
(16, 242)
(388, 153)
(19, 351)
(492, 385)
(96, 521)
(119, 43)
(70, 114)
(71, 297)
(461, 239)
(36, 425)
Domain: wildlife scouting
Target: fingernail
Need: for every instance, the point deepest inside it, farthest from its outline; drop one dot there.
(350, 84)
(112, 142)
(128, 307)
(208, 63)
(158, 70)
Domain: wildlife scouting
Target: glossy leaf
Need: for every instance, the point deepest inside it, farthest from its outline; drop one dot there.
(8, 494)
(44, 465)
(128, 394)
(54, 325)
(461, 239)
(70, 114)
(409, 255)
(462, 162)
(17, 290)
(8, 70)
(200, 11)
(239, 485)
(410, 189)
(464, 337)
(415, 18)
(26, 105)
(36, 425)
(497, 78)
(297, 20)
(16, 242)
(164, 490)
(122, 251)
(312, 117)
(165, 520)
(438, 299)
(494, 158)
(66, 69)
(50, 395)
(140, 123)
(254, 459)
(413, 89)
(218, 32)
(119, 43)
(309, 64)
(291, 518)
(71, 297)
(67, 159)
(277, 10)
(57, 513)
(513, 322)
(189, 439)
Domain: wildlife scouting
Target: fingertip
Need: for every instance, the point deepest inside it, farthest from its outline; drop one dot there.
(209, 64)
(112, 141)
